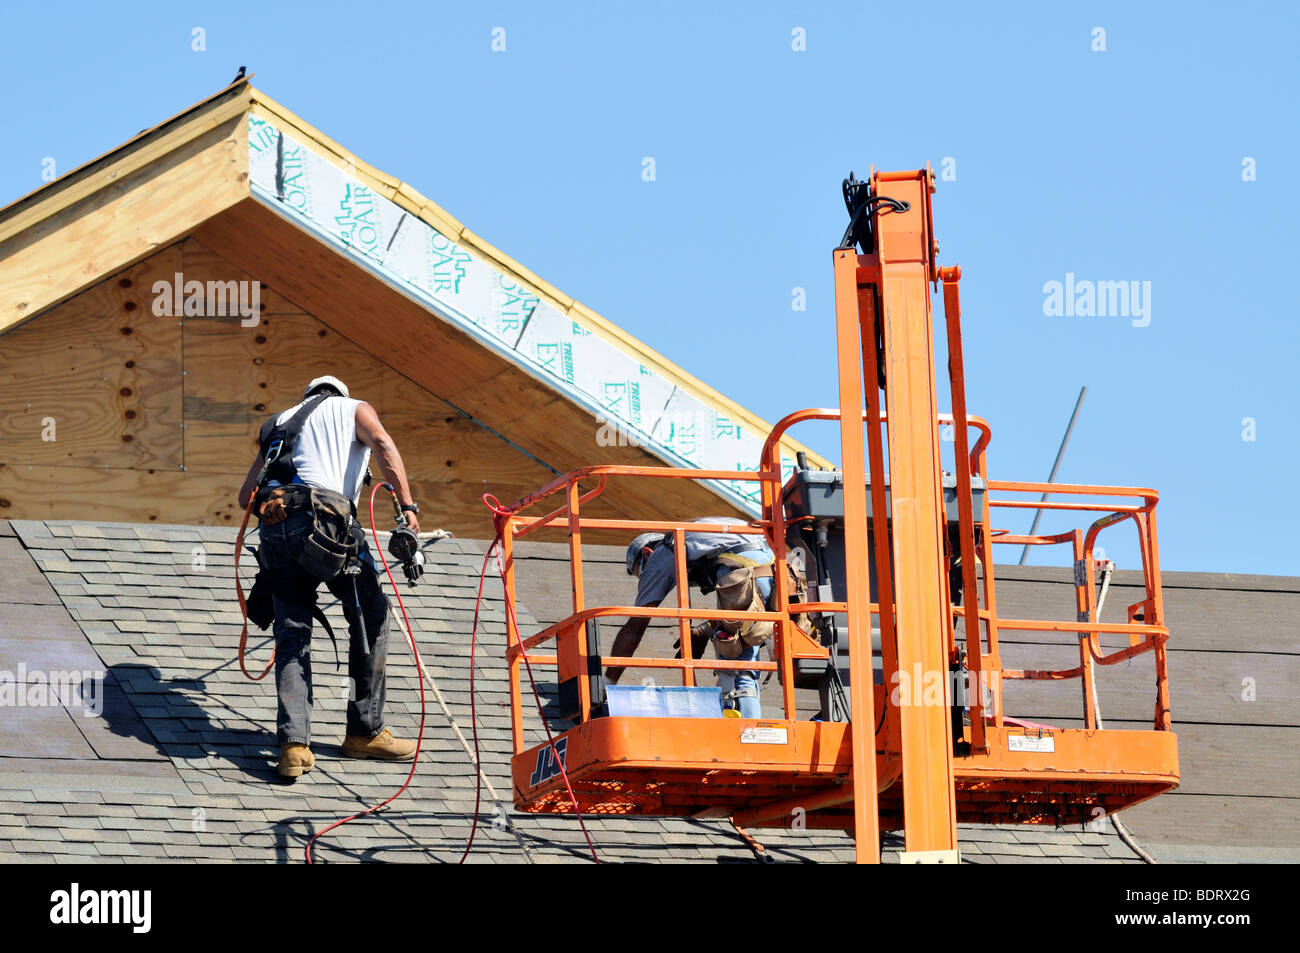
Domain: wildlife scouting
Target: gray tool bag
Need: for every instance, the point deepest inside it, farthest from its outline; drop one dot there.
(332, 541)
(335, 538)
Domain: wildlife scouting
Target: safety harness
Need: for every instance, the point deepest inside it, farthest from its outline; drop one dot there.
(330, 549)
(279, 442)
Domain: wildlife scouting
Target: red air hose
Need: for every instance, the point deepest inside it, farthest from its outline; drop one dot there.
(500, 514)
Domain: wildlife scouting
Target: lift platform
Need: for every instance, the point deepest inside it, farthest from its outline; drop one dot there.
(924, 672)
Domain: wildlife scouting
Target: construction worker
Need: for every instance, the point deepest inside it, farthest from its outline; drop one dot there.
(739, 568)
(309, 534)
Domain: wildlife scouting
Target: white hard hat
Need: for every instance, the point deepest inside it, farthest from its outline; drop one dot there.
(334, 382)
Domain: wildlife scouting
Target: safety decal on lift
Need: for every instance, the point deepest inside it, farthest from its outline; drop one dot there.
(547, 764)
(764, 735)
(1035, 742)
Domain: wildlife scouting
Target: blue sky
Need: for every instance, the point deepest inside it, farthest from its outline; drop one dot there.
(1122, 165)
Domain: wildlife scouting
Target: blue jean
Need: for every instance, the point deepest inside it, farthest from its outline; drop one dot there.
(740, 681)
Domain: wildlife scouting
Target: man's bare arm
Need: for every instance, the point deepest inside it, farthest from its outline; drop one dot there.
(372, 433)
(626, 642)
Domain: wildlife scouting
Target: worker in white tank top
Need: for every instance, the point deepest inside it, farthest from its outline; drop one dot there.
(328, 453)
(332, 452)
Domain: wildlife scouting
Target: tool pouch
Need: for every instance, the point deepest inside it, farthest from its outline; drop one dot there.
(275, 504)
(738, 592)
(331, 543)
(261, 607)
(798, 582)
(727, 645)
(334, 537)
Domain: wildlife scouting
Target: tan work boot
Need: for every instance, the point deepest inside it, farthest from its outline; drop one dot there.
(382, 746)
(295, 759)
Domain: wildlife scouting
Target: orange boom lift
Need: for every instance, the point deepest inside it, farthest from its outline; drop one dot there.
(914, 603)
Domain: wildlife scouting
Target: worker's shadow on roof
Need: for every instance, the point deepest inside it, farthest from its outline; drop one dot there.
(176, 715)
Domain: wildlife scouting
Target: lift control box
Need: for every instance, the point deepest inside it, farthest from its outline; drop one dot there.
(820, 494)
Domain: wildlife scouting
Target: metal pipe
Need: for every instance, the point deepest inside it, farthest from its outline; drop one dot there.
(1065, 441)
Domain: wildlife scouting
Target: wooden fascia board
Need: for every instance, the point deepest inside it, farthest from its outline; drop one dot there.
(147, 200)
(134, 154)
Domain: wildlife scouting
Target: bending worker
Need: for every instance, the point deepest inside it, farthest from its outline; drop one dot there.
(309, 535)
(739, 568)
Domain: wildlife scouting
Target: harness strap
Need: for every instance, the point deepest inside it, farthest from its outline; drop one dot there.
(760, 569)
(316, 612)
(270, 456)
(291, 429)
(239, 591)
(319, 616)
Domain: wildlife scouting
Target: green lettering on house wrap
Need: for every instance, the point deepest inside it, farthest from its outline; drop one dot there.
(357, 219)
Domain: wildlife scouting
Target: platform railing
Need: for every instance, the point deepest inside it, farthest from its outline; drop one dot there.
(1144, 622)
(572, 630)
(1144, 625)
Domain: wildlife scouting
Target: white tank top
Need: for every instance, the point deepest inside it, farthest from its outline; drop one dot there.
(328, 454)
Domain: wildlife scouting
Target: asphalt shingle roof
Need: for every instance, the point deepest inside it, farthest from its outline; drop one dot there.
(181, 765)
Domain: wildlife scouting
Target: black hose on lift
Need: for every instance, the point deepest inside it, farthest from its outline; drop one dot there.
(860, 204)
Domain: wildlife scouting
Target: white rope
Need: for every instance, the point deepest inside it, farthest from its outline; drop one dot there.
(1124, 834)
(465, 743)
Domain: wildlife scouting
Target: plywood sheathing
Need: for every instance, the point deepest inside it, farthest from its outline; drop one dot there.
(96, 382)
(237, 376)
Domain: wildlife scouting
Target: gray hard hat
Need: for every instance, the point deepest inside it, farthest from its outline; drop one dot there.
(637, 545)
